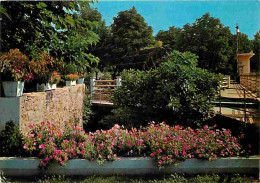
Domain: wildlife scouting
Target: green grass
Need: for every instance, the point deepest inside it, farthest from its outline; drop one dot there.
(175, 178)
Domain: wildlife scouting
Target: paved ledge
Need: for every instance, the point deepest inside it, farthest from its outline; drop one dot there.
(28, 167)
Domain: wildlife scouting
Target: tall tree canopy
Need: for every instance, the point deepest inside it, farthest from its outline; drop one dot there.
(255, 60)
(169, 38)
(59, 27)
(208, 38)
(128, 34)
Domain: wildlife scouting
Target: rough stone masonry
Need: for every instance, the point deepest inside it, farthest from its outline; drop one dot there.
(56, 106)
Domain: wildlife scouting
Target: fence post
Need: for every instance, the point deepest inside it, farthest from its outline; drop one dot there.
(228, 81)
(220, 101)
(92, 85)
(244, 104)
(118, 81)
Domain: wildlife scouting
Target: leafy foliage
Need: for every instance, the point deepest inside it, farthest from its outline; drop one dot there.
(210, 40)
(56, 26)
(11, 141)
(177, 91)
(174, 178)
(15, 66)
(169, 38)
(255, 63)
(87, 112)
(124, 39)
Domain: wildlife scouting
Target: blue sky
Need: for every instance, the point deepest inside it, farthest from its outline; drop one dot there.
(163, 14)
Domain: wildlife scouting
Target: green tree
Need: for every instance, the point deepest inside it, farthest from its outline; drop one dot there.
(32, 22)
(129, 33)
(255, 60)
(79, 38)
(208, 38)
(59, 27)
(177, 92)
(169, 38)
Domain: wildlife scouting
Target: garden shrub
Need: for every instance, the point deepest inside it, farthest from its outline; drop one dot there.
(177, 92)
(70, 68)
(87, 112)
(11, 141)
(165, 144)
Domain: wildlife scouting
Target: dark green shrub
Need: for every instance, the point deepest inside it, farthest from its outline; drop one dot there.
(176, 91)
(70, 68)
(11, 141)
(87, 112)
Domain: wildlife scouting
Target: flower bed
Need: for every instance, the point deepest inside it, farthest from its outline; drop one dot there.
(164, 143)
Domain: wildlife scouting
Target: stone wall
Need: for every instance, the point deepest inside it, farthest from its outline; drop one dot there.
(57, 106)
(251, 81)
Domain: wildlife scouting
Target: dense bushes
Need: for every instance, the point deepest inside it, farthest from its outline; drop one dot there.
(11, 141)
(87, 112)
(164, 143)
(176, 91)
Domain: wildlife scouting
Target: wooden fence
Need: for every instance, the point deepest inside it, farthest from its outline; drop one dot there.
(101, 90)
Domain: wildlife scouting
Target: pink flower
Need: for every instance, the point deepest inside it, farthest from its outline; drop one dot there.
(102, 145)
(184, 152)
(43, 163)
(25, 146)
(42, 146)
(153, 154)
(129, 143)
(160, 162)
(30, 135)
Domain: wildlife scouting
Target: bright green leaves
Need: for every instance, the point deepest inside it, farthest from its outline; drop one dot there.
(56, 26)
(176, 91)
(69, 20)
(41, 5)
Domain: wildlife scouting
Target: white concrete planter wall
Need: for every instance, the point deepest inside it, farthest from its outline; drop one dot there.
(80, 81)
(28, 167)
(47, 86)
(51, 86)
(41, 87)
(70, 83)
(13, 88)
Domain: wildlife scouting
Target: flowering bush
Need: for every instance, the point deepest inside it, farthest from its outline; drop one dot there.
(42, 67)
(49, 143)
(71, 77)
(162, 142)
(18, 66)
(55, 77)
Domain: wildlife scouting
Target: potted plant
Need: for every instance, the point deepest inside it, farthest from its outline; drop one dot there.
(71, 79)
(42, 66)
(81, 75)
(80, 80)
(53, 81)
(15, 73)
